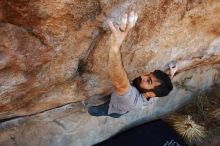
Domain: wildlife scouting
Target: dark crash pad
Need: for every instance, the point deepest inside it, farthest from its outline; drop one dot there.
(155, 133)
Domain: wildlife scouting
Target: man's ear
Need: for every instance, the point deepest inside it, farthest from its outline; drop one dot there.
(150, 94)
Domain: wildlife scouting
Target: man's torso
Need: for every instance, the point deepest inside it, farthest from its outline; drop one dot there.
(131, 100)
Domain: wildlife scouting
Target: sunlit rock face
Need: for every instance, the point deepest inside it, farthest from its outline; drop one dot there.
(55, 52)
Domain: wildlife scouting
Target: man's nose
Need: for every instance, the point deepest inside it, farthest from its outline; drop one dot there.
(144, 77)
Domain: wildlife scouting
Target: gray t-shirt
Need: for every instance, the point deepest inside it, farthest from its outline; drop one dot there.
(131, 100)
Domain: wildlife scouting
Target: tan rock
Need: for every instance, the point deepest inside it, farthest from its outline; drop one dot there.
(56, 52)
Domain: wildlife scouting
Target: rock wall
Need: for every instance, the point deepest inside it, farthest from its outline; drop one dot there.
(55, 52)
(71, 125)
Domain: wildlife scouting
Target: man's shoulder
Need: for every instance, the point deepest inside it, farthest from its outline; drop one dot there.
(132, 91)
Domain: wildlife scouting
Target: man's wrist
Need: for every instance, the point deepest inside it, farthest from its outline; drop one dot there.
(115, 48)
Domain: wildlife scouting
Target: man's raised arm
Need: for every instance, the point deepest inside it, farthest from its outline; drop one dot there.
(115, 68)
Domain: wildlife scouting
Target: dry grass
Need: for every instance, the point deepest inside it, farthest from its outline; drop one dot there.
(216, 114)
(199, 121)
(188, 129)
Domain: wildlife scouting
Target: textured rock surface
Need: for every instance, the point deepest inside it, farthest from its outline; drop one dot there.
(71, 125)
(54, 52)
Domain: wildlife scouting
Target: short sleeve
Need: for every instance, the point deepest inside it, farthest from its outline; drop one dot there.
(115, 98)
(131, 100)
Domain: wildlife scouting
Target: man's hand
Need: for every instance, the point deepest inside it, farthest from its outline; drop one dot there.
(119, 33)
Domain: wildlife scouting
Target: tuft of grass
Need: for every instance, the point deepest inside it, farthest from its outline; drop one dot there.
(188, 128)
(201, 102)
(199, 121)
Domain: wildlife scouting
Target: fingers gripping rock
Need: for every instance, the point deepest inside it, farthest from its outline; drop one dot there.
(124, 22)
(132, 20)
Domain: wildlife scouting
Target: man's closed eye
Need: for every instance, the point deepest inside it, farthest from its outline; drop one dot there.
(149, 80)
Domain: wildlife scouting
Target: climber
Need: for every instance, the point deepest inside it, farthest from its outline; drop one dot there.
(143, 91)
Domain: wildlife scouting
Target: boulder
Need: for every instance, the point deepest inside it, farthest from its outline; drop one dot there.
(55, 52)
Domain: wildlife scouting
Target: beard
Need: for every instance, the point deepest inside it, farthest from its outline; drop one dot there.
(136, 83)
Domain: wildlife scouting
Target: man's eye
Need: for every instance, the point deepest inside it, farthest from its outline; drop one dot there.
(150, 81)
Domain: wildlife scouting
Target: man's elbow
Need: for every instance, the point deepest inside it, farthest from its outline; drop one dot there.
(121, 85)
(122, 89)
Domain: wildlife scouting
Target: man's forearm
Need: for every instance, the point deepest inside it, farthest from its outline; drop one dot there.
(115, 67)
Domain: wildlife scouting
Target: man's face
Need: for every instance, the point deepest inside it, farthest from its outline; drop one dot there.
(146, 83)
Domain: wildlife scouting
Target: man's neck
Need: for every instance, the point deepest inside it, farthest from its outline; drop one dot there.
(146, 97)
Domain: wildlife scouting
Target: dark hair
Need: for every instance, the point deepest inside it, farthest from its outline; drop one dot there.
(162, 90)
(165, 84)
